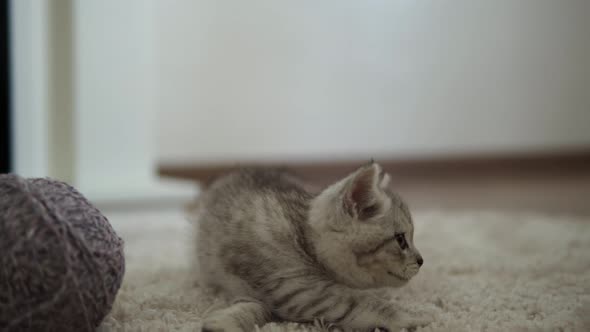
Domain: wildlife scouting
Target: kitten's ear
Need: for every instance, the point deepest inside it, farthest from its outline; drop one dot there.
(384, 181)
(361, 199)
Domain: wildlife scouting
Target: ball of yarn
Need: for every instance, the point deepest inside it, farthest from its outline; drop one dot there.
(61, 262)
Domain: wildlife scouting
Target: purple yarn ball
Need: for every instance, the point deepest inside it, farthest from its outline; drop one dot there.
(61, 262)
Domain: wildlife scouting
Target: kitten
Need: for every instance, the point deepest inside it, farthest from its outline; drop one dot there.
(279, 251)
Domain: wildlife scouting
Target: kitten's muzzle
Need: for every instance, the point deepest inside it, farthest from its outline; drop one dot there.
(399, 276)
(420, 260)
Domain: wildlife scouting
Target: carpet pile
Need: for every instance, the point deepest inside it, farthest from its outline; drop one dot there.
(483, 271)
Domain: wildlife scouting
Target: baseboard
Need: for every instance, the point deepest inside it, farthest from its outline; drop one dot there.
(562, 163)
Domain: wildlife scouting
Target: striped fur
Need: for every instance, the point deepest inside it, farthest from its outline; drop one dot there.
(283, 252)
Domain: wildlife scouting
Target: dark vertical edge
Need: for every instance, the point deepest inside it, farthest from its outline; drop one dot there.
(5, 90)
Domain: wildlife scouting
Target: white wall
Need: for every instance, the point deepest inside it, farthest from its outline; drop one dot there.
(84, 80)
(114, 74)
(317, 79)
(115, 102)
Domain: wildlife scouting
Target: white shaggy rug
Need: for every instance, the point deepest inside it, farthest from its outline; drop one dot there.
(483, 271)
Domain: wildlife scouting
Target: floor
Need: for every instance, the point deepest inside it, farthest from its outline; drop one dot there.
(506, 251)
(483, 271)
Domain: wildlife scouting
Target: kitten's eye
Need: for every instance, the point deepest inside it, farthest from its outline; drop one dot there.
(401, 240)
(370, 210)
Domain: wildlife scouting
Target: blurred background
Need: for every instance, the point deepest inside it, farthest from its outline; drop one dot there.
(470, 104)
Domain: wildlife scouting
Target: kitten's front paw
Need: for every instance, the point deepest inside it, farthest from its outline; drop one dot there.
(410, 322)
(218, 324)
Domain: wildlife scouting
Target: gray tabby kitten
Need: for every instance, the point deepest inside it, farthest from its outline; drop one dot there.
(282, 252)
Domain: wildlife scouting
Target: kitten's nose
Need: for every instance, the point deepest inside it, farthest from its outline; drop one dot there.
(420, 261)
